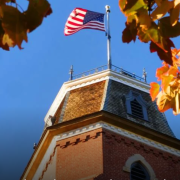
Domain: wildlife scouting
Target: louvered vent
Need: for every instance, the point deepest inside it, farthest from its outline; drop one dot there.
(136, 109)
(138, 172)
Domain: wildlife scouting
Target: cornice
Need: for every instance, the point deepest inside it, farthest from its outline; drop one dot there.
(120, 131)
(92, 79)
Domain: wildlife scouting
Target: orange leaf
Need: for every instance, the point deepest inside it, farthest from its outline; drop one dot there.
(165, 82)
(154, 90)
(160, 71)
(176, 104)
(172, 71)
(163, 102)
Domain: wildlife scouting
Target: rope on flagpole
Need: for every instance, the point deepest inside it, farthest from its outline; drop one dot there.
(108, 38)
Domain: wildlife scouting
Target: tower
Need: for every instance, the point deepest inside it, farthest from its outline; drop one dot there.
(103, 125)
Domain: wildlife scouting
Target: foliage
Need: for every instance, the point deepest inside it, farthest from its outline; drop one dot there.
(156, 21)
(15, 23)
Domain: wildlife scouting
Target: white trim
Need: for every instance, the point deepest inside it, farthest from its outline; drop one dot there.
(91, 79)
(34, 157)
(122, 132)
(45, 159)
(138, 157)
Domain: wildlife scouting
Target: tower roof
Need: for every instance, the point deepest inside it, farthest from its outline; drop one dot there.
(115, 91)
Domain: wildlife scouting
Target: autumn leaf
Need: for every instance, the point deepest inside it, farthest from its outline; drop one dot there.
(165, 83)
(165, 56)
(122, 4)
(6, 40)
(174, 15)
(163, 102)
(176, 104)
(172, 71)
(3, 44)
(143, 37)
(167, 30)
(6, 1)
(144, 19)
(130, 7)
(158, 2)
(154, 90)
(129, 32)
(13, 23)
(35, 13)
(160, 11)
(161, 71)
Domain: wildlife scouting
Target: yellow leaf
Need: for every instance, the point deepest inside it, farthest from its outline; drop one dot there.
(7, 40)
(174, 15)
(143, 18)
(176, 104)
(163, 102)
(122, 4)
(176, 2)
(165, 82)
(160, 11)
(154, 90)
(129, 7)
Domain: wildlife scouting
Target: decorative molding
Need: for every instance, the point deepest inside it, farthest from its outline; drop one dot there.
(121, 132)
(43, 165)
(88, 80)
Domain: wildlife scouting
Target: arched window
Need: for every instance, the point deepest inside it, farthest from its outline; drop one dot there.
(136, 106)
(138, 172)
(139, 168)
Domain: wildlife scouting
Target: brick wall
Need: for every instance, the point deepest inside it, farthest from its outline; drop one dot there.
(80, 157)
(101, 155)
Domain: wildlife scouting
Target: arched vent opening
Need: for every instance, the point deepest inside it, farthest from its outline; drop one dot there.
(136, 109)
(138, 172)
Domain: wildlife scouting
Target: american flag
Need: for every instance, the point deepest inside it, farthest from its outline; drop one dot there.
(83, 19)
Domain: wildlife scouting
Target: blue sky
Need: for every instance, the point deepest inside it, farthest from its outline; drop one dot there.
(31, 78)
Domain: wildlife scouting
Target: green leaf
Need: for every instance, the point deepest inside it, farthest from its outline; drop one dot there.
(143, 18)
(156, 36)
(167, 30)
(13, 23)
(37, 10)
(143, 37)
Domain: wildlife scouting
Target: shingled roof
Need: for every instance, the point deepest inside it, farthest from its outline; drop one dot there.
(106, 91)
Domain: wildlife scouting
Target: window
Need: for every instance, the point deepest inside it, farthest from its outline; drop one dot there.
(139, 168)
(136, 109)
(138, 172)
(136, 106)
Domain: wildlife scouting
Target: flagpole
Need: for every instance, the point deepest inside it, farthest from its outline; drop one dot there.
(108, 38)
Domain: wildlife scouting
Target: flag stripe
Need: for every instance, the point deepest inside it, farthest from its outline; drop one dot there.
(83, 19)
(87, 26)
